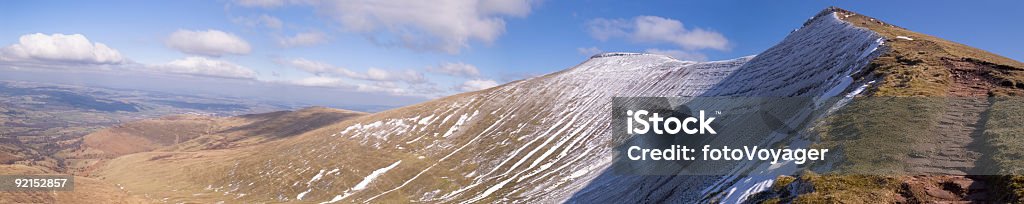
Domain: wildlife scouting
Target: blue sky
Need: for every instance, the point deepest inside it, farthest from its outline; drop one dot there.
(403, 52)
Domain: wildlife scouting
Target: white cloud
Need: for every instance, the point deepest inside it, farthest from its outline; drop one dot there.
(373, 80)
(271, 22)
(303, 39)
(589, 51)
(384, 88)
(74, 48)
(477, 84)
(680, 54)
(410, 76)
(322, 81)
(320, 68)
(262, 20)
(458, 69)
(212, 43)
(201, 66)
(653, 29)
(447, 25)
(309, 66)
(372, 74)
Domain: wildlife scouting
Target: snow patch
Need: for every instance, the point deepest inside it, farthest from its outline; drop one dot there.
(315, 178)
(303, 194)
(366, 182)
(577, 174)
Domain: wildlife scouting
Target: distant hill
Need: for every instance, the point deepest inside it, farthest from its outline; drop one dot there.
(177, 133)
(196, 132)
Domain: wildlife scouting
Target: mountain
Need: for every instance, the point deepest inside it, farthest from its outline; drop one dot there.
(198, 132)
(175, 133)
(548, 138)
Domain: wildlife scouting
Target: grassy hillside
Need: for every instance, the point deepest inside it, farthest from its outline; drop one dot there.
(922, 81)
(190, 144)
(87, 190)
(1004, 134)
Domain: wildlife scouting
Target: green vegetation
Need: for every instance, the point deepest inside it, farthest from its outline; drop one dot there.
(922, 66)
(910, 74)
(1004, 133)
(850, 189)
(781, 182)
(811, 187)
(872, 136)
(872, 133)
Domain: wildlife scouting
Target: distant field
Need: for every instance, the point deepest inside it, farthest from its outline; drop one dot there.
(39, 120)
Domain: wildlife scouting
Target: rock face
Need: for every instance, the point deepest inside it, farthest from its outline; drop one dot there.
(539, 140)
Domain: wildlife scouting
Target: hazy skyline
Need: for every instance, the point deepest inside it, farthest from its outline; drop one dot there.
(401, 52)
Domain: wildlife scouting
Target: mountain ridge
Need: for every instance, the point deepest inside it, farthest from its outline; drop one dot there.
(512, 143)
(533, 123)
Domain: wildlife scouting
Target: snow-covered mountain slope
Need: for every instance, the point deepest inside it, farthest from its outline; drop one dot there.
(819, 60)
(544, 139)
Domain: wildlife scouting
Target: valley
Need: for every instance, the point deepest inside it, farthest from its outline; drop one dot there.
(64, 129)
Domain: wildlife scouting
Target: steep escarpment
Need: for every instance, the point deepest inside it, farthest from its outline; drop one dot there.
(544, 139)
